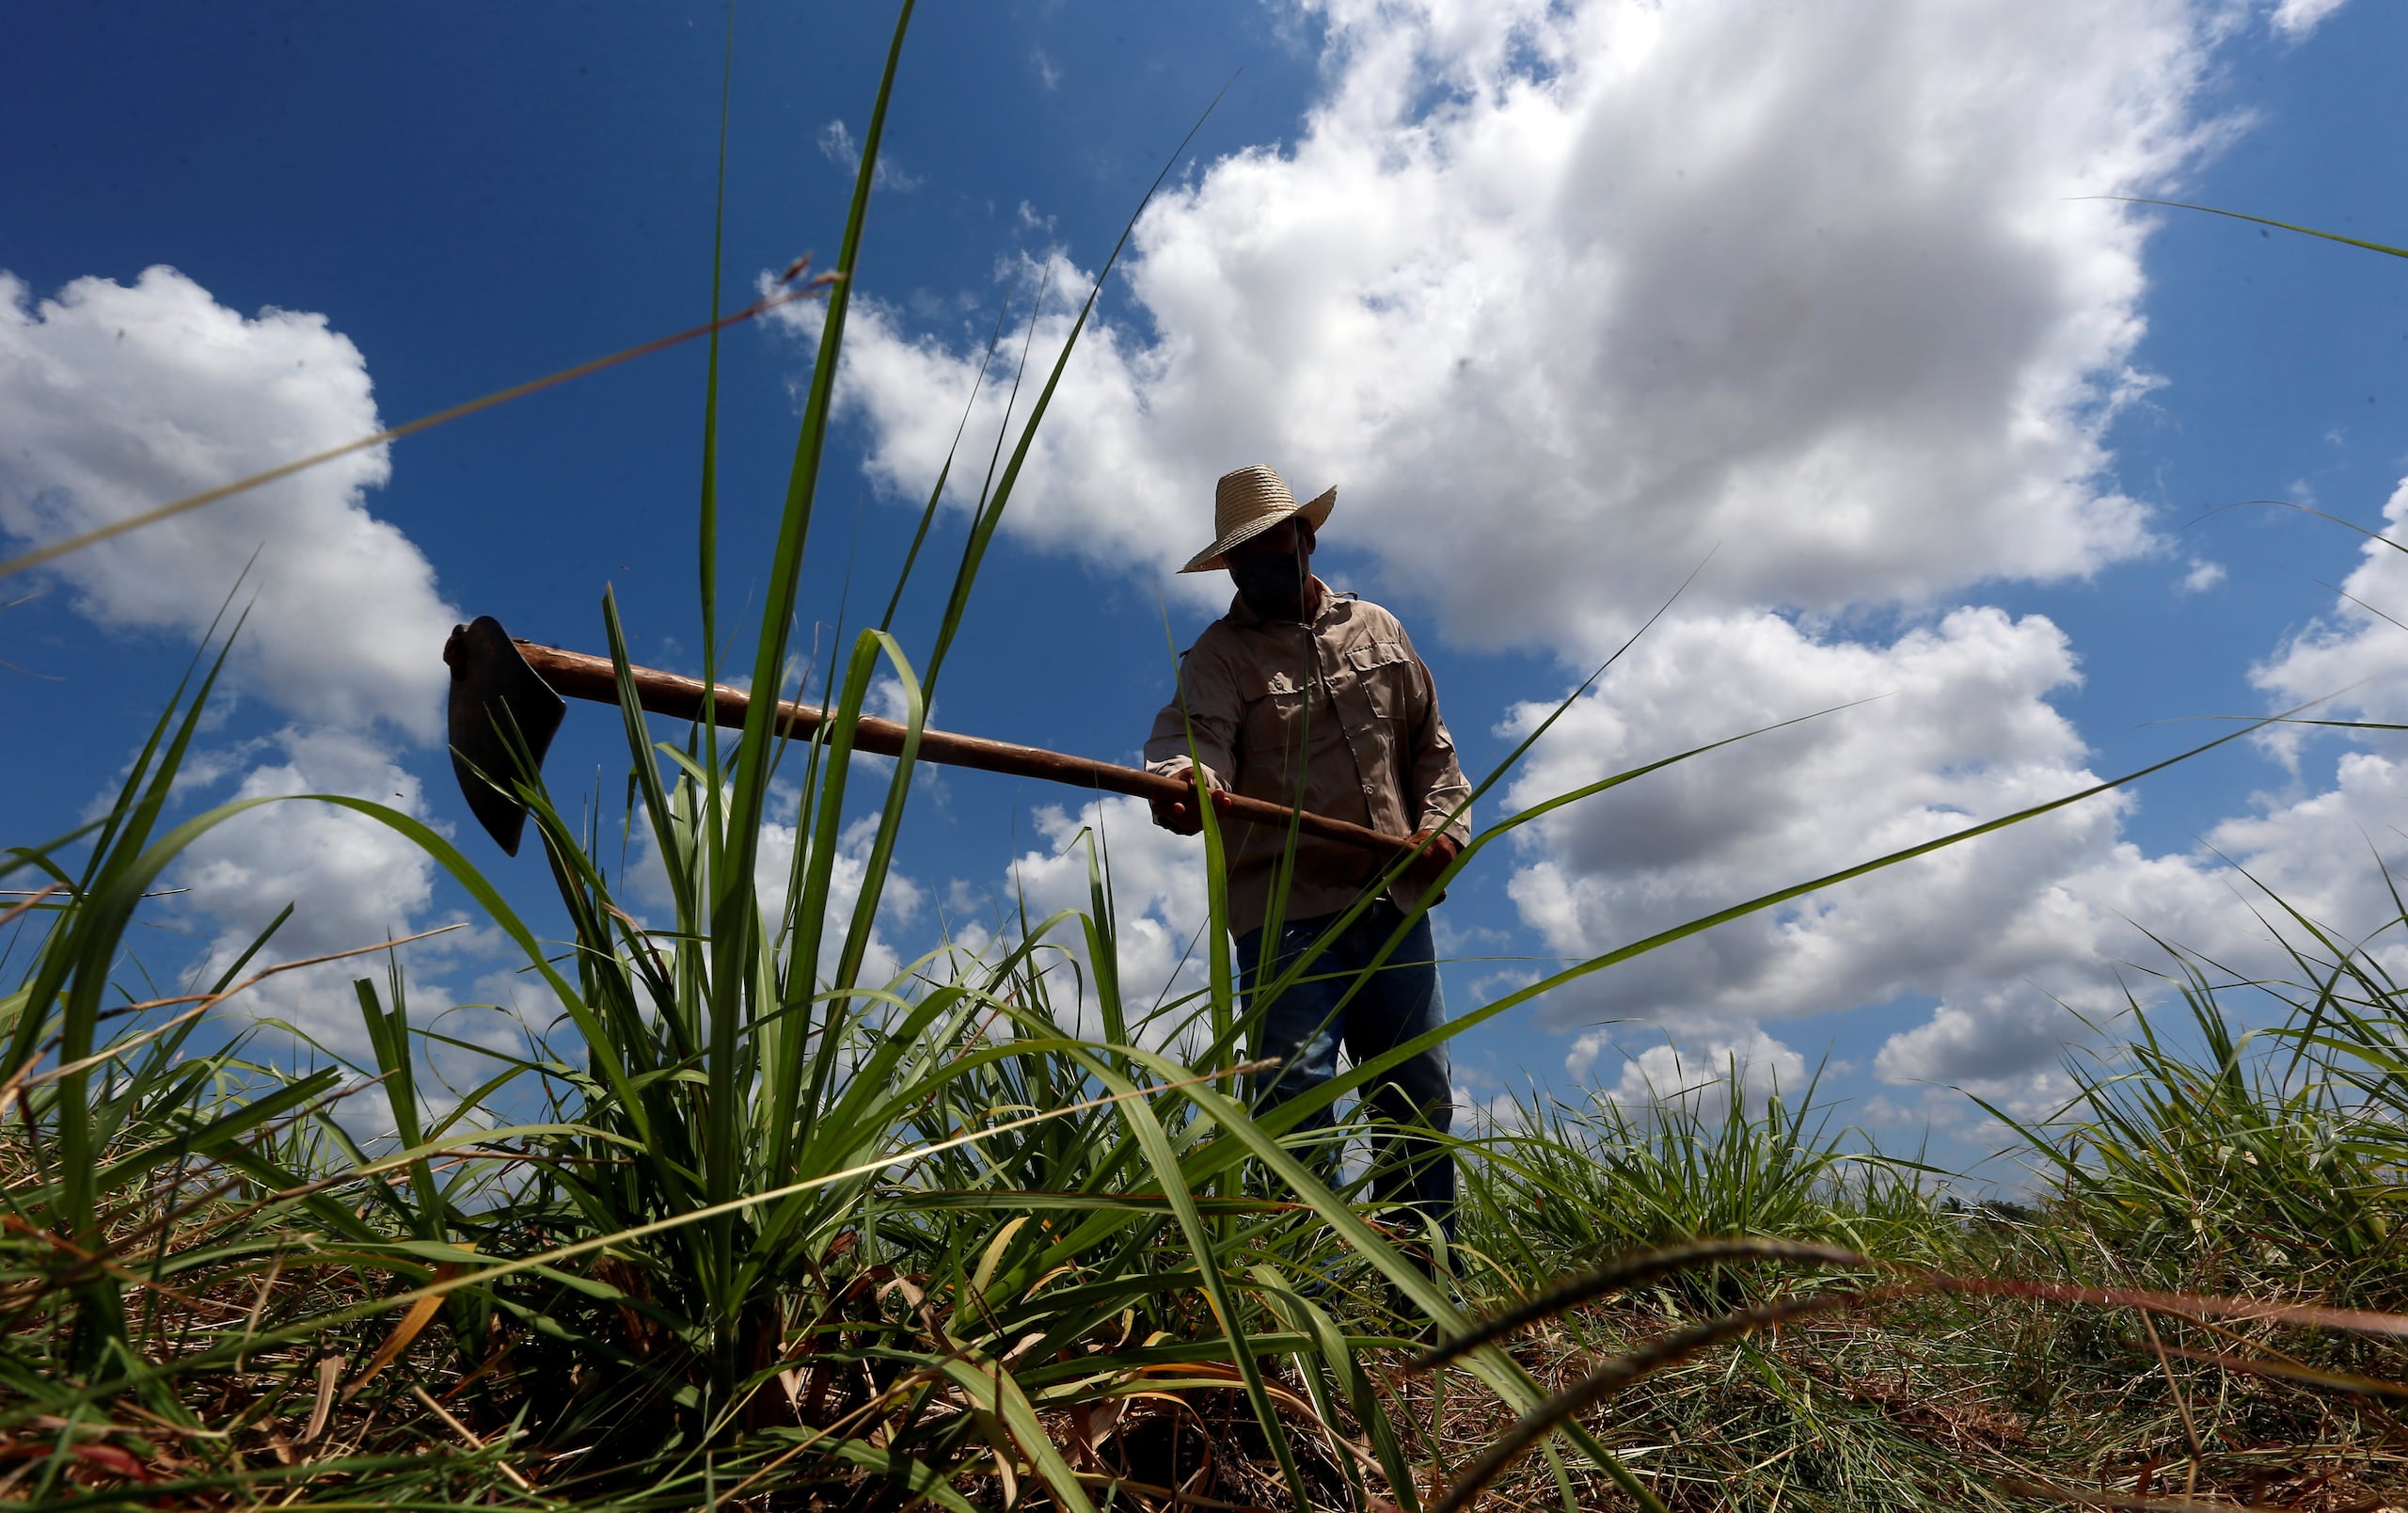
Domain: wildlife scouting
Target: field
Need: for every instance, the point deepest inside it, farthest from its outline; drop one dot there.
(742, 1227)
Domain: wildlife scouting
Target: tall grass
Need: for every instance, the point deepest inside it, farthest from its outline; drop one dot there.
(2269, 1160)
(1562, 1185)
(2209, 1301)
(773, 1230)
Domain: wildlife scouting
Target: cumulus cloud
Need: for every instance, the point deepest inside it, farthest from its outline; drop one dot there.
(118, 399)
(114, 399)
(353, 882)
(2325, 855)
(1159, 905)
(2328, 855)
(900, 902)
(1698, 1078)
(2357, 649)
(1561, 295)
(2320, 851)
(1959, 730)
(2028, 939)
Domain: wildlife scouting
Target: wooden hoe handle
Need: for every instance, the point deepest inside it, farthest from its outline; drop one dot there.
(578, 675)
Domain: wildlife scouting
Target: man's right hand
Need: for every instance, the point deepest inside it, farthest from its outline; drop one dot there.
(1184, 817)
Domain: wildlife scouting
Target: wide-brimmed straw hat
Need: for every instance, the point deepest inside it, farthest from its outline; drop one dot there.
(1248, 503)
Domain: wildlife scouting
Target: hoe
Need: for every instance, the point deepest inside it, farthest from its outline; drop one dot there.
(500, 685)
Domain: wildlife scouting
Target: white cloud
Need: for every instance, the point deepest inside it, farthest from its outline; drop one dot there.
(2353, 651)
(2295, 18)
(900, 902)
(899, 898)
(2027, 938)
(1562, 295)
(114, 399)
(837, 146)
(2204, 575)
(1960, 731)
(352, 882)
(1982, 1040)
(1699, 1078)
(2324, 855)
(1159, 905)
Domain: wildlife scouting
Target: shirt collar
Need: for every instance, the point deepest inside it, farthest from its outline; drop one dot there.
(1241, 613)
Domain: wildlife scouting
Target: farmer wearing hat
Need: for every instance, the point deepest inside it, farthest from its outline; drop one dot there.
(1304, 697)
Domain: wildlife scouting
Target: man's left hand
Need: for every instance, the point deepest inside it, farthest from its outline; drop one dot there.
(1440, 853)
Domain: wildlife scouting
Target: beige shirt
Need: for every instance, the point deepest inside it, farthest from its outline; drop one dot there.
(1347, 695)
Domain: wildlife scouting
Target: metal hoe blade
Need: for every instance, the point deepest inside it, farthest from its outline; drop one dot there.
(503, 717)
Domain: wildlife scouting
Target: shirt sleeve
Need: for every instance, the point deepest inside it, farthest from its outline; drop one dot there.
(1207, 704)
(1436, 788)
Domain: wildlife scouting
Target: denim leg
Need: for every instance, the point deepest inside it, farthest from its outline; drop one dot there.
(1398, 1003)
(1299, 1026)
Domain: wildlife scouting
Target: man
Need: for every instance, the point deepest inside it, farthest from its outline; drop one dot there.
(1304, 696)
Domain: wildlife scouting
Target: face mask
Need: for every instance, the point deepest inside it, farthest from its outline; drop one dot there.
(1272, 586)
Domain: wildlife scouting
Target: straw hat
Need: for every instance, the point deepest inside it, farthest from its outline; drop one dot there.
(1248, 503)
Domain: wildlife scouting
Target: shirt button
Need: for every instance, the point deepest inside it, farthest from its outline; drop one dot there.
(1366, 788)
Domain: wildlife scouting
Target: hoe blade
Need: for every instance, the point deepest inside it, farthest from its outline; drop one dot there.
(503, 718)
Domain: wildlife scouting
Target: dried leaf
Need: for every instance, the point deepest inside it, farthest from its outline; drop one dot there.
(412, 1323)
(330, 1374)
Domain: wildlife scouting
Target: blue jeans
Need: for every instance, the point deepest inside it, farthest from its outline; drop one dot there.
(1305, 1028)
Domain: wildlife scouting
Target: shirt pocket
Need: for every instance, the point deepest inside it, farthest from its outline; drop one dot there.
(1386, 671)
(1274, 718)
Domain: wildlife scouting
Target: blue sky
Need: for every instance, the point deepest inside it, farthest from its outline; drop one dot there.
(1564, 298)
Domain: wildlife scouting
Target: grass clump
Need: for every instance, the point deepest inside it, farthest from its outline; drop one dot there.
(1566, 1183)
(2201, 1308)
(2269, 1161)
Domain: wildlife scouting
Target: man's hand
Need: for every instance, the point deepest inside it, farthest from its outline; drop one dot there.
(1185, 817)
(1440, 855)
